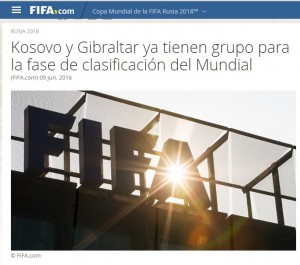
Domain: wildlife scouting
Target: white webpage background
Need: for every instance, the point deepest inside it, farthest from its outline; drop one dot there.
(279, 75)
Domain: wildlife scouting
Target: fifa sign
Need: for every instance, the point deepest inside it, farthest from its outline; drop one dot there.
(127, 147)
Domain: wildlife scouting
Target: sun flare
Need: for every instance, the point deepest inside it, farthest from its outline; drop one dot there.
(176, 173)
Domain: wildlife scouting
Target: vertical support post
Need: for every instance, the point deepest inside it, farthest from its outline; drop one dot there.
(277, 192)
(212, 185)
(46, 165)
(67, 157)
(142, 184)
(142, 179)
(156, 229)
(231, 234)
(75, 219)
(249, 206)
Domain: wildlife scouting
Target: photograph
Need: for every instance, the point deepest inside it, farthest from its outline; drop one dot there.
(94, 171)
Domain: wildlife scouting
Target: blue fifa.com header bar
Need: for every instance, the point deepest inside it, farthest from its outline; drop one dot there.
(150, 10)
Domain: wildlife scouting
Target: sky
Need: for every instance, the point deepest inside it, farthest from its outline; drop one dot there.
(271, 114)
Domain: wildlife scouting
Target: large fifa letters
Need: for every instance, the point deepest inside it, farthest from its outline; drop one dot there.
(128, 148)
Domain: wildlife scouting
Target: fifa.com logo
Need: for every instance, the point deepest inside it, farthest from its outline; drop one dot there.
(49, 10)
